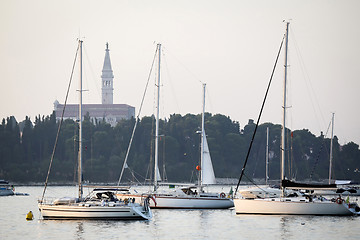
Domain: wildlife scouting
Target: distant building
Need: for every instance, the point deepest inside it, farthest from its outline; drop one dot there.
(111, 113)
(107, 77)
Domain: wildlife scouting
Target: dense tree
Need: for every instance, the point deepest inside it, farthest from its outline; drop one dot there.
(26, 149)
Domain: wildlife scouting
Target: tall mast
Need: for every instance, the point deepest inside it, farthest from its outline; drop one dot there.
(331, 146)
(283, 130)
(80, 127)
(157, 124)
(202, 136)
(267, 156)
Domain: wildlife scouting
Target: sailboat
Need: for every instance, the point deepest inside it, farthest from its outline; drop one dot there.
(101, 203)
(340, 186)
(297, 204)
(191, 197)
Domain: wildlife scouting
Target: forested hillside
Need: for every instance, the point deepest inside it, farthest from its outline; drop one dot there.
(26, 148)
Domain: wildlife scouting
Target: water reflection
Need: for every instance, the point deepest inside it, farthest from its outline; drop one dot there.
(172, 224)
(285, 223)
(79, 231)
(315, 226)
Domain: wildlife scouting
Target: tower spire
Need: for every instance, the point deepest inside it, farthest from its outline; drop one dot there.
(107, 79)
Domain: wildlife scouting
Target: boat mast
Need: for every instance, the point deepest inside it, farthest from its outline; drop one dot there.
(202, 136)
(331, 146)
(283, 130)
(80, 127)
(267, 156)
(157, 124)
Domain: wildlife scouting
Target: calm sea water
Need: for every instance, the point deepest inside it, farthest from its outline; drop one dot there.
(167, 224)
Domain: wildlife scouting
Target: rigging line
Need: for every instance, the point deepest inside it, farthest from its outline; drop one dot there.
(290, 120)
(318, 156)
(134, 173)
(191, 177)
(151, 160)
(75, 155)
(288, 152)
(92, 73)
(185, 68)
(61, 120)
(289, 97)
(148, 174)
(211, 106)
(134, 177)
(85, 81)
(171, 85)
(252, 181)
(163, 97)
(137, 117)
(164, 178)
(151, 156)
(308, 84)
(256, 158)
(155, 92)
(257, 123)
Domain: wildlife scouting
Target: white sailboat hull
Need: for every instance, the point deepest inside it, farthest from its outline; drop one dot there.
(191, 202)
(76, 211)
(183, 202)
(279, 206)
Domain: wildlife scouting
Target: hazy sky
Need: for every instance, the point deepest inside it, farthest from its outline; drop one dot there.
(229, 44)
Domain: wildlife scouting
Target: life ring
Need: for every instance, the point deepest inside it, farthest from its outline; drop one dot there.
(222, 195)
(339, 200)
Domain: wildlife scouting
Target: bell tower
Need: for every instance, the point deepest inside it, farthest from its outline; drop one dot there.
(107, 77)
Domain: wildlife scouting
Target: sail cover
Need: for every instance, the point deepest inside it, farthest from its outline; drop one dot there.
(208, 176)
(295, 185)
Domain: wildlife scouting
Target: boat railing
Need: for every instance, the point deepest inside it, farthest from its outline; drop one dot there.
(47, 200)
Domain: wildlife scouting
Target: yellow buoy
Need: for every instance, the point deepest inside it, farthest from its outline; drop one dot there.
(29, 216)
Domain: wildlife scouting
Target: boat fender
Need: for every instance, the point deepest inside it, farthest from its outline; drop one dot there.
(154, 199)
(339, 200)
(222, 195)
(29, 216)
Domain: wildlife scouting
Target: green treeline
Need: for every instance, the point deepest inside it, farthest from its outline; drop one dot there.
(26, 149)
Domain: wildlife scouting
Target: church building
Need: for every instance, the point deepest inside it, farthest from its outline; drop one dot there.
(107, 110)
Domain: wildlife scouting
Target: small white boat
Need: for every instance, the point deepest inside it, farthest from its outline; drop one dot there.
(101, 203)
(6, 189)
